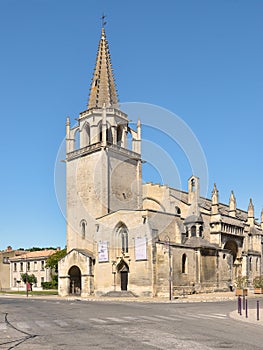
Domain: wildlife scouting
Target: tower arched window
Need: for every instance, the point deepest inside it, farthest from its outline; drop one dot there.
(109, 133)
(119, 135)
(184, 263)
(201, 231)
(193, 185)
(193, 231)
(83, 227)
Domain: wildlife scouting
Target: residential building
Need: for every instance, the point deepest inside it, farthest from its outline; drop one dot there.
(5, 256)
(31, 263)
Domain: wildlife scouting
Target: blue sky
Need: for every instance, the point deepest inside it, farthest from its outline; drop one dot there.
(202, 60)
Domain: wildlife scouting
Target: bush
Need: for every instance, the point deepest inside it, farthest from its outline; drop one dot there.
(49, 285)
(258, 282)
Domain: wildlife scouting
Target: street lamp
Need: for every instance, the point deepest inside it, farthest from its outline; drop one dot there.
(167, 242)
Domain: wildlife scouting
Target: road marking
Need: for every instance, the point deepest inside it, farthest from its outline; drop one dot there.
(3, 326)
(150, 318)
(221, 315)
(98, 320)
(115, 319)
(169, 318)
(131, 318)
(212, 316)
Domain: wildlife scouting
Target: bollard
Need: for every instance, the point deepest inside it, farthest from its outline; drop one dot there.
(246, 310)
(238, 305)
(244, 302)
(257, 310)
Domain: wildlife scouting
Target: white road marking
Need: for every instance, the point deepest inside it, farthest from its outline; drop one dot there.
(98, 320)
(115, 319)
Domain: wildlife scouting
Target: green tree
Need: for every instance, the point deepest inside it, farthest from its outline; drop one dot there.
(52, 261)
(28, 278)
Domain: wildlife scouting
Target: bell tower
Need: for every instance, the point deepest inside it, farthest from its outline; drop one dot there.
(103, 174)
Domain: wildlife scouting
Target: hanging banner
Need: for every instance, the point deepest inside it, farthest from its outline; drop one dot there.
(140, 248)
(103, 254)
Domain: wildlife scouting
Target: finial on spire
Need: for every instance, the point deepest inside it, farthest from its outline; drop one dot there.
(103, 22)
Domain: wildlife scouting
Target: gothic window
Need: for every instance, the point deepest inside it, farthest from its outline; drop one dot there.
(193, 185)
(201, 231)
(123, 236)
(250, 264)
(184, 263)
(257, 264)
(193, 231)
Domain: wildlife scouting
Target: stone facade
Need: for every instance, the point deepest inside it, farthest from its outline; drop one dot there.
(150, 239)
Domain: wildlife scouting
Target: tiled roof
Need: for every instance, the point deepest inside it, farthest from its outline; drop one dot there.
(38, 254)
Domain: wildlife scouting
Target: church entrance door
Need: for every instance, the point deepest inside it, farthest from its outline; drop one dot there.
(123, 270)
(124, 280)
(75, 280)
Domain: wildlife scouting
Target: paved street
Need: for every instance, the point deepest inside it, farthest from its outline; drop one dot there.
(74, 324)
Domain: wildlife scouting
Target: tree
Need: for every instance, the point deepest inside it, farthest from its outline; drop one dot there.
(52, 261)
(28, 278)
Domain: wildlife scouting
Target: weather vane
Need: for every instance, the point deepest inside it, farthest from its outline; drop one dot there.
(103, 22)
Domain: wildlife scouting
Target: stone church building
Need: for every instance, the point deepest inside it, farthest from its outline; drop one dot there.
(149, 239)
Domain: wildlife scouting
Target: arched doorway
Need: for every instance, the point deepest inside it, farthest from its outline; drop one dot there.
(123, 270)
(75, 280)
(232, 246)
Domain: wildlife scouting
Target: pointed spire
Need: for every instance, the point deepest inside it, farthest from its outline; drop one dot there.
(232, 204)
(214, 195)
(250, 211)
(103, 89)
(214, 200)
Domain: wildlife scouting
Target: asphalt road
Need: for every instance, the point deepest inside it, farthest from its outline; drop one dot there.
(64, 324)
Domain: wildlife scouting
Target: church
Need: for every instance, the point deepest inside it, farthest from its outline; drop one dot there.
(145, 239)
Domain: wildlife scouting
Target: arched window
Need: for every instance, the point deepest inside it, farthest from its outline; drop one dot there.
(109, 133)
(201, 231)
(193, 185)
(177, 210)
(184, 263)
(257, 264)
(122, 233)
(193, 231)
(76, 140)
(119, 135)
(83, 227)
